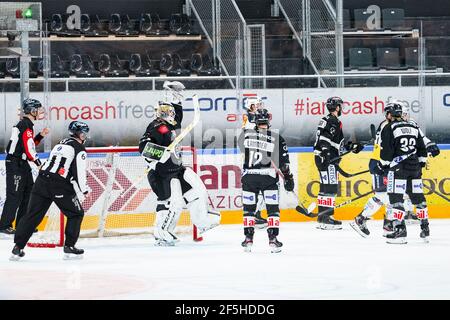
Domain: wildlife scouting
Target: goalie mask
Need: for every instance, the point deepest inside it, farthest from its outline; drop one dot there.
(166, 112)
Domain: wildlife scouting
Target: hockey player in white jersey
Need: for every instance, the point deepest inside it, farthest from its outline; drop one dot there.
(163, 170)
(61, 176)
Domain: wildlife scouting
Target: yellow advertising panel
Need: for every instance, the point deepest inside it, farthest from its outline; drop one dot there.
(436, 175)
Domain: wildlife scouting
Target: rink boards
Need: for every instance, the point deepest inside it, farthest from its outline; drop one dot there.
(221, 173)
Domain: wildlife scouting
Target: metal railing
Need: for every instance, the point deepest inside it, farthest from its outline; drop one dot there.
(399, 77)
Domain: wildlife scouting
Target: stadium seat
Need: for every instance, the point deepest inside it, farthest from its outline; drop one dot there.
(361, 59)
(13, 68)
(393, 18)
(142, 66)
(91, 26)
(82, 66)
(177, 68)
(389, 58)
(347, 20)
(122, 26)
(180, 24)
(150, 25)
(110, 66)
(328, 59)
(412, 57)
(166, 62)
(57, 69)
(203, 66)
(58, 26)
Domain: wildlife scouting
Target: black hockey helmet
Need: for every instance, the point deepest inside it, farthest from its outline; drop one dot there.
(333, 103)
(388, 109)
(395, 109)
(30, 105)
(76, 128)
(262, 117)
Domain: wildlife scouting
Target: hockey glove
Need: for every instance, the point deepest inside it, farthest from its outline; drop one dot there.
(380, 169)
(289, 182)
(325, 157)
(355, 147)
(433, 149)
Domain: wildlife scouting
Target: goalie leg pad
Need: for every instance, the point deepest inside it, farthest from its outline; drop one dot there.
(164, 220)
(197, 201)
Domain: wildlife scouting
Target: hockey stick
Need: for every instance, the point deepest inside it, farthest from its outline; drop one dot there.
(349, 175)
(351, 200)
(373, 135)
(300, 208)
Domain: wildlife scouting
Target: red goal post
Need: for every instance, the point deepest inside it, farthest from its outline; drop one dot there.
(121, 201)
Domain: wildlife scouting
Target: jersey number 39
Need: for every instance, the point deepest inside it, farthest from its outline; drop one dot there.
(407, 144)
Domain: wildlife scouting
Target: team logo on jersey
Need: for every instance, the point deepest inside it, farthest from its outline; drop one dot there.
(332, 130)
(61, 171)
(59, 148)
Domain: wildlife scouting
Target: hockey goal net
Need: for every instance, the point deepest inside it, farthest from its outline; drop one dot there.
(121, 202)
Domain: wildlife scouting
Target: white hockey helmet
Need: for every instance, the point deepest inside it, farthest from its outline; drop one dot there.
(254, 103)
(166, 111)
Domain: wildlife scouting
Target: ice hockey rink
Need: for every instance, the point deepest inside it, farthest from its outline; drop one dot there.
(314, 264)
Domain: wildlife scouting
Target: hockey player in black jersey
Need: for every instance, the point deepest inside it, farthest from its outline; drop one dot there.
(253, 104)
(61, 176)
(159, 134)
(328, 146)
(403, 154)
(263, 149)
(379, 182)
(20, 151)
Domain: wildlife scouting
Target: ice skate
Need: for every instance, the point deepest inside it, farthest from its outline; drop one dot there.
(387, 227)
(247, 244)
(359, 225)
(327, 222)
(425, 233)
(7, 233)
(72, 253)
(398, 236)
(275, 245)
(17, 254)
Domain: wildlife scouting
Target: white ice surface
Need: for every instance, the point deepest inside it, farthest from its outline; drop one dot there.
(314, 264)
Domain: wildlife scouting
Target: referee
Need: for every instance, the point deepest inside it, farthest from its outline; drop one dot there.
(19, 180)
